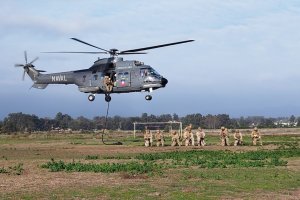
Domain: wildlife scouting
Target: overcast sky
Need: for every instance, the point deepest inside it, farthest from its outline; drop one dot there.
(244, 61)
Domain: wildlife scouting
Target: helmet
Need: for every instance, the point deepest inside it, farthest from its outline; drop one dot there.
(255, 128)
(237, 131)
(222, 128)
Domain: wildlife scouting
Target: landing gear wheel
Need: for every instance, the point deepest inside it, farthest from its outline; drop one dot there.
(148, 97)
(107, 98)
(91, 97)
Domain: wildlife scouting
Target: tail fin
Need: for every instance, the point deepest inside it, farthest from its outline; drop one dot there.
(32, 73)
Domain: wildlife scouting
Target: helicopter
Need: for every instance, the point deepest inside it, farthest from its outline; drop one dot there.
(106, 75)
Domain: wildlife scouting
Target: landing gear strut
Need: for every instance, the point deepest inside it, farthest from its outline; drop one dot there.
(148, 97)
(91, 97)
(107, 98)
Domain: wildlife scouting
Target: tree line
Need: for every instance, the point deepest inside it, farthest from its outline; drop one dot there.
(20, 122)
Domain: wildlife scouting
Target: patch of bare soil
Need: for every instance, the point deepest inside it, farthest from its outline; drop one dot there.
(263, 195)
(35, 179)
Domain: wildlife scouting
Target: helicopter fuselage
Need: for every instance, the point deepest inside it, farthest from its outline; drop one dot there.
(126, 76)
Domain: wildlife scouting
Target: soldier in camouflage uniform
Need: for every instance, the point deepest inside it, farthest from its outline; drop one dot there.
(238, 138)
(175, 139)
(255, 135)
(188, 136)
(224, 136)
(200, 137)
(108, 83)
(147, 138)
(159, 138)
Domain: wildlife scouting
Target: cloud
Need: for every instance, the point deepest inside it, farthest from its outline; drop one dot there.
(242, 48)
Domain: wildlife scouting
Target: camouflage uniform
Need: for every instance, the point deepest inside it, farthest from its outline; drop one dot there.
(188, 136)
(151, 138)
(200, 137)
(108, 83)
(159, 138)
(175, 139)
(224, 136)
(147, 138)
(255, 135)
(238, 138)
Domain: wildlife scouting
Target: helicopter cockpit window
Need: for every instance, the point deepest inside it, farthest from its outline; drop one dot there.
(153, 72)
(148, 72)
(144, 72)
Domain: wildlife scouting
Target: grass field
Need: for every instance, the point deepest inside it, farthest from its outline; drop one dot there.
(80, 166)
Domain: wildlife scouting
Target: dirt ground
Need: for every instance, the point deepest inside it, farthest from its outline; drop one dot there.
(35, 179)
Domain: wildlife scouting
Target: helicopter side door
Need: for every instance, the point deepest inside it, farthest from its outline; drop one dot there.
(123, 79)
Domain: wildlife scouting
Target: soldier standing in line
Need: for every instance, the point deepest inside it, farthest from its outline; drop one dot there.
(255, 135)
(159, 138)
(192, 139)
(151, 137)
(187, 135)
(200, 137)
(224, 136)
(175, 139)
(147, 137)
(238, 138)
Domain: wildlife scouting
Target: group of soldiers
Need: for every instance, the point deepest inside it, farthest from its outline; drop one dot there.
(189, 140)
(238, 137)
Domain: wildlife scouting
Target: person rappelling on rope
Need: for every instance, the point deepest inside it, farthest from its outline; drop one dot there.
(108, 83)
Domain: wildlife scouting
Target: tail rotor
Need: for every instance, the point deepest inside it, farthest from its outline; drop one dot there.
(26, 65)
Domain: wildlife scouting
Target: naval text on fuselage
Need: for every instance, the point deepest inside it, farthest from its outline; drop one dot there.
(59, 78)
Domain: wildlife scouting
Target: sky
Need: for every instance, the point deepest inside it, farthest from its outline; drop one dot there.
(244, 61)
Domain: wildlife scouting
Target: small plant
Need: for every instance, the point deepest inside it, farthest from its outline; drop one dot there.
(4, 157)
(14, 170)
(92, 157)
(3, 171)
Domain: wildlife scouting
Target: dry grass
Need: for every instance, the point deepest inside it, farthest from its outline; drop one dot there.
(36, 183)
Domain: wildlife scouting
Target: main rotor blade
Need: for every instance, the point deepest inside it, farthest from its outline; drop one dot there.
(129, 53)
(89, 44)
(19, 65)
(23, 78)
(91, 52)
(154, 47)
(25, 55)
(33, 60)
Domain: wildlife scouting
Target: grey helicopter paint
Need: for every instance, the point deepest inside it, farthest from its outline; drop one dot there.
(126, 76)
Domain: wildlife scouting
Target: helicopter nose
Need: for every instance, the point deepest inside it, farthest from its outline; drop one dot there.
(164, 82)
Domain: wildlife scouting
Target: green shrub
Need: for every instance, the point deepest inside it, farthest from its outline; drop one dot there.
(92, 157)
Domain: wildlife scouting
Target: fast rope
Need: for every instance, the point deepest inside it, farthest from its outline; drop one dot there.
(105, 124)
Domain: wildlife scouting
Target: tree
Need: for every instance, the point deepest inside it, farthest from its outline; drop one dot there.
(175, 117)
(292, 119)
(1, 124)
(211, 121)
(298, 122)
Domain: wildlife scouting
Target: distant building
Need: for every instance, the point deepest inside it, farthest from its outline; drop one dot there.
(285, 123)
